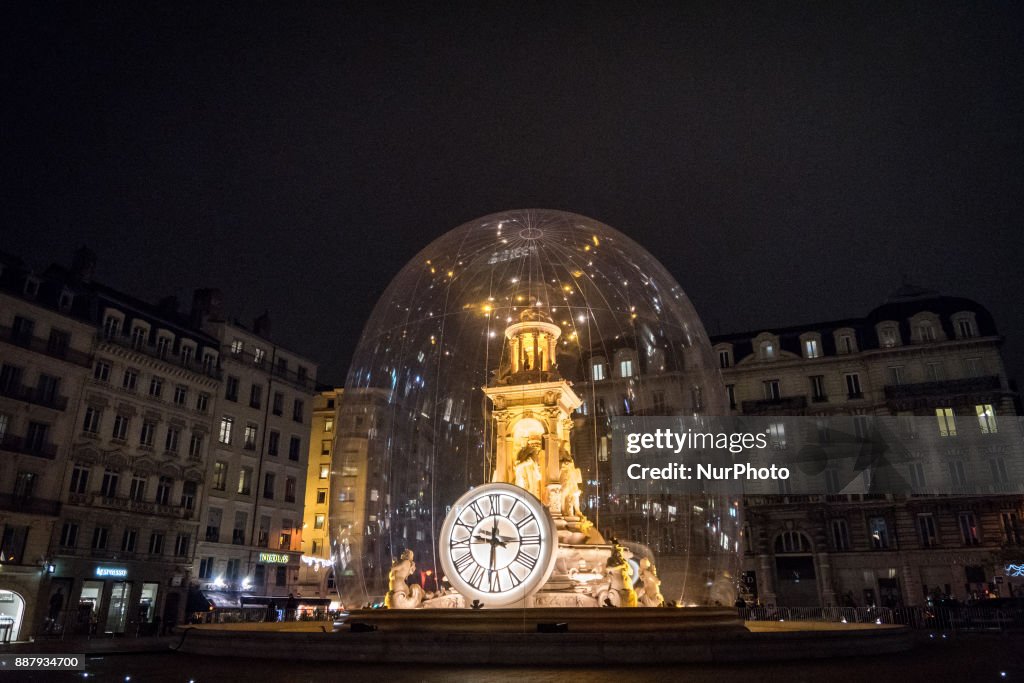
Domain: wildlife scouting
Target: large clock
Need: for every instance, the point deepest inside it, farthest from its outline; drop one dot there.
(498, 545)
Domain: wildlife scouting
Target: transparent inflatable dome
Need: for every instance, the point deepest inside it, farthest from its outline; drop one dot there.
(415, 430)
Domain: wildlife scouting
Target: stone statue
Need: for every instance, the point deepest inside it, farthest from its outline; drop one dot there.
(620, 592)
(528, 474)
(400, 594)
(570, 477)
(649, 594)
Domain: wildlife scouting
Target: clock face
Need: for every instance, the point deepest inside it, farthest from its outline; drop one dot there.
(497, 545)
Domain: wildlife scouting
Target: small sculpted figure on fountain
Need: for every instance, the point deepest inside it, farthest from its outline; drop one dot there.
(528, 474)
(570, 477)
(649, 594)
(400, 594)
(620, 592)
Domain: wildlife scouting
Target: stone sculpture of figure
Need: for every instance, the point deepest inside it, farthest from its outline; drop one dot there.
(570, 477)
(528, 474)
(649, 594)
(400, 594)
(620, 593)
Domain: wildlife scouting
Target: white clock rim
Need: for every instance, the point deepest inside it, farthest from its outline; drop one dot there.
(549, 545)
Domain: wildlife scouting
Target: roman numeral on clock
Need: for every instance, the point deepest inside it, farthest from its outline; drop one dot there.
(476, 579)
(463, 543)
(524, 521)
(463, 561)
(528, 561)
(495, 500)
(514, 580)
(530, 539)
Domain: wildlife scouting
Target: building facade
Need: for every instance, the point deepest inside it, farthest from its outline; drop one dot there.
(919, 354)
(252, 522)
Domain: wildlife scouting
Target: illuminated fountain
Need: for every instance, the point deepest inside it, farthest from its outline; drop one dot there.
(472, 460)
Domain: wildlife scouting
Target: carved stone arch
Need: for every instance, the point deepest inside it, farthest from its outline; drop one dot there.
(116, 460)
(169, 469)
(192, 474)
(87, 454)
(144, 466)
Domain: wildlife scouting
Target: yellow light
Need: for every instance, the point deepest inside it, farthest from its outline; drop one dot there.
(432, 270)
(451, 273)
(597, 242)
(567, 288)
(488, 308)
(577, 273)
(586, 248)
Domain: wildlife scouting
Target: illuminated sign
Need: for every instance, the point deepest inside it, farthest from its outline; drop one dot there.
(1015, 570)
(119, 572)
(273, 558)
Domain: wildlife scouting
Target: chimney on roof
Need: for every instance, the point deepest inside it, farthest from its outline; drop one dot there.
(83, 264)
(261, 325)
(207, 304)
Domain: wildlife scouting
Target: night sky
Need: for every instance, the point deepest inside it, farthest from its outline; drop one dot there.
(787, 163)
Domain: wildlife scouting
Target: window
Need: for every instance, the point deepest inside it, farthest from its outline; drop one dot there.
(195, 446)
(965, 328)
(846, 344)
(35, 437)
(946, 420)
(186, 355)
(24, 485)
(156, 543)
(268, 485)
(281, 576)
(301, 374)
(206, 566)
(766, 350)
(812, 348)
(777, 435)
(226, 424)
(658, 402)
(231, 569)
(148, 434)
(730, 389)
(818, 388)
(771, 390)
(255, 396)
(273, 442)
(237, 346)
(926, 530)
(986, 418)
(258, 356)
(319, 520)
(163, 490)
(285, 541)
(278, 407)
(10, 378)
(79, 478)
(171, 442)
(832, 485)
(294, 448)
(128, 540)
(5, 422)
(917, 480)
(188, 495)
(724, 358)
(317, 546)
(202, 403)
(321, 496)
(325, 471)
(231, 388)
(840, 535)
(925, 331)
(180, 395)
(626, 368)
(297, 409)
(957, 473)
(329, 424)
(998, 467)
(209, 362)
(889, 336)
(58, 343)
(120, 431)
(111, 326)
(282, 366)
(325, 447)
(108, 487)
(68, 535)
(130, 379)
(894, 374)
(162, 345)
(969, 528)
(91, 421)
(263, 533)
(213, 521)
(973, 367)
(220, 475)
(181, 545)
(99, 538)
(853, 385)
(878, 530)
(1011, 527)
(245, 481)
(156, 387)
(139, 336)
(101, 371)
(933, 371)
(289, 489)
(238, 532)
(137, 492)
(249, 440)
(597, 371)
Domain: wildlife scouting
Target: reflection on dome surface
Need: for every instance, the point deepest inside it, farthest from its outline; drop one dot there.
(510, 300)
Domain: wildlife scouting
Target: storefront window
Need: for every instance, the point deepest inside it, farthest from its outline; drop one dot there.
(147, 602)
(117, 614)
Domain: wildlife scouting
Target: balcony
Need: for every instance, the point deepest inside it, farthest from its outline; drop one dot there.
(152, 351)
(931, 394)
(29, 505)
(44, 347)
(33, 395)
(775, 406)
(20, 444)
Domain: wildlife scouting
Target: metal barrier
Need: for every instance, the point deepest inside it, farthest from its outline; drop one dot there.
(977, 617)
